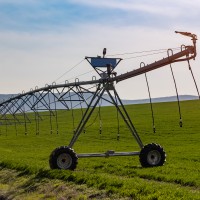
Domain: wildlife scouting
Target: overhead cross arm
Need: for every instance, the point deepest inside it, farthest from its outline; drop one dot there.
(188, 53)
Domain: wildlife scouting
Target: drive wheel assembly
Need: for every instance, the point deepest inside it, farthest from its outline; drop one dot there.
(152, 155)
(63, 158)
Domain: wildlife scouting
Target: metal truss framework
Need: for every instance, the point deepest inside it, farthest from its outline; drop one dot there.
(86, 94)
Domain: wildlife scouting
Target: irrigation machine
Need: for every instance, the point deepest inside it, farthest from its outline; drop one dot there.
(15, 110)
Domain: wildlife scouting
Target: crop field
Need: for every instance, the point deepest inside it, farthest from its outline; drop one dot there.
(179, 178)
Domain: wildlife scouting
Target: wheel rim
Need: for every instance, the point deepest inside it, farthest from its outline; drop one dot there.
(153, 157)
(64, 161)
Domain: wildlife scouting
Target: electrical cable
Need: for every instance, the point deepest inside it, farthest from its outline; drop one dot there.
(81, 75)
(137, 52)
(74, 77)
(124, 59)
(144, 55)
(112, 55)
(69, 70)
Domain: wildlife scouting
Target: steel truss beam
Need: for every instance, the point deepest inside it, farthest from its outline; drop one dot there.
(49, 99)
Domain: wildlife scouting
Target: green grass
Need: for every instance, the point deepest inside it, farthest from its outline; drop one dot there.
(14, 185)
(179, 178)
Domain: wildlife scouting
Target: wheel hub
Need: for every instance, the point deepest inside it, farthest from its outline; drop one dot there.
(153, 157)
(64, 161)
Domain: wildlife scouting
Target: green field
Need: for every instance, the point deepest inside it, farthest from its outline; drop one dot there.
(179, 178)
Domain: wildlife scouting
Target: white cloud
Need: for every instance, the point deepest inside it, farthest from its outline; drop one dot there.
(168, 8)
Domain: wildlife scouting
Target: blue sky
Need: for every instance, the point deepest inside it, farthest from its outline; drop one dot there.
(35, 15)
(40, 40)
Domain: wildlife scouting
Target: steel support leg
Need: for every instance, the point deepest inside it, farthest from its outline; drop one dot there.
(99, 93)
(126, 117)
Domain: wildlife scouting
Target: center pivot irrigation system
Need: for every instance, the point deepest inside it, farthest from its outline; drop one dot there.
(15, 110)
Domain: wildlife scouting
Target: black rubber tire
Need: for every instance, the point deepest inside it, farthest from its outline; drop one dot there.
(152, 155)
(63, 158)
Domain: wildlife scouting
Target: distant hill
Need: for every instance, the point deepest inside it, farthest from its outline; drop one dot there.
(5, 96)
(105, 103)
(162, 99)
